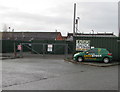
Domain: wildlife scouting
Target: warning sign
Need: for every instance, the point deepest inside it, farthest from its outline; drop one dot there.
(19, 47)
(50, 46)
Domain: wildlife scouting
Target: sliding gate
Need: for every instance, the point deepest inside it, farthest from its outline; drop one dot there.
(44, 49)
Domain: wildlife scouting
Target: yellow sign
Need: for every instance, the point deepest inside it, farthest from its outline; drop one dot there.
(87, 55)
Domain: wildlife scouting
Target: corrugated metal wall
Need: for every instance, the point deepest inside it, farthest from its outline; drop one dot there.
(0, 46)
(7, 46)
(110, 43)
(119, 48)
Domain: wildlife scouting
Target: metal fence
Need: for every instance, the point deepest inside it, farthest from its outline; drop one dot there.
(61, 47)
(47, 47)
(8, 46)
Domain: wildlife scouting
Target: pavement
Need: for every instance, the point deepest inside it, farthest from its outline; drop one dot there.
(56, 74)
(95, 63)
(6, 56)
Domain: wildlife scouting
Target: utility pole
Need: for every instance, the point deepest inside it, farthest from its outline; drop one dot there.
(119, 19)
(74, 19)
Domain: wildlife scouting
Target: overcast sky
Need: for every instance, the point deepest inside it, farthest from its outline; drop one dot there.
(51, 15)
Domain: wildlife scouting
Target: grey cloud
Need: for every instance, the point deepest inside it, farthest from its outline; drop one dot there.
(35, 21)
(97, 16)
(23, 16)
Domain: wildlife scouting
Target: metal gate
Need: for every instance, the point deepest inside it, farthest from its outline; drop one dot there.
(45, 49)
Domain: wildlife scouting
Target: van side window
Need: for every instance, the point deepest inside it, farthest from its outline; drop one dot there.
(104, 51)
(93, 51)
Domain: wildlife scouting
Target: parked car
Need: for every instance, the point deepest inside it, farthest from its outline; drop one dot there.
(95, 54)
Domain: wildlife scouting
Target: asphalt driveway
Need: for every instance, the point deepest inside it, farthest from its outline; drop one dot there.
(56, 74)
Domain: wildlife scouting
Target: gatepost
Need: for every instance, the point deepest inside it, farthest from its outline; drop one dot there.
(20, 48)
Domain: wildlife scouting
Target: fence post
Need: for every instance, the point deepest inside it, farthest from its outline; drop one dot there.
(21, 51)
(66, 50)
(15, 54)
(43, 49)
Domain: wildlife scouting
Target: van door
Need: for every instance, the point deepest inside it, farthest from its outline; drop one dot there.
(91, 55)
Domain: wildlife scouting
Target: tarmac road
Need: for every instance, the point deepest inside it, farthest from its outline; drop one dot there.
(52, 74)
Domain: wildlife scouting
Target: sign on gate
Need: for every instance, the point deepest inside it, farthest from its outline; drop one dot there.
(50, 46)
(19, 47)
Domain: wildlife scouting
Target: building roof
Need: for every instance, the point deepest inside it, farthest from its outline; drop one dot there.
(30, 35)
(93, 35)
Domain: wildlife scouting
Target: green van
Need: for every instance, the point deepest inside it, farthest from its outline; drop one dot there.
(95, 54)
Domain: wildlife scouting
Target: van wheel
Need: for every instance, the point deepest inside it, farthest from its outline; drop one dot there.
(106, 60)
(79, 59)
